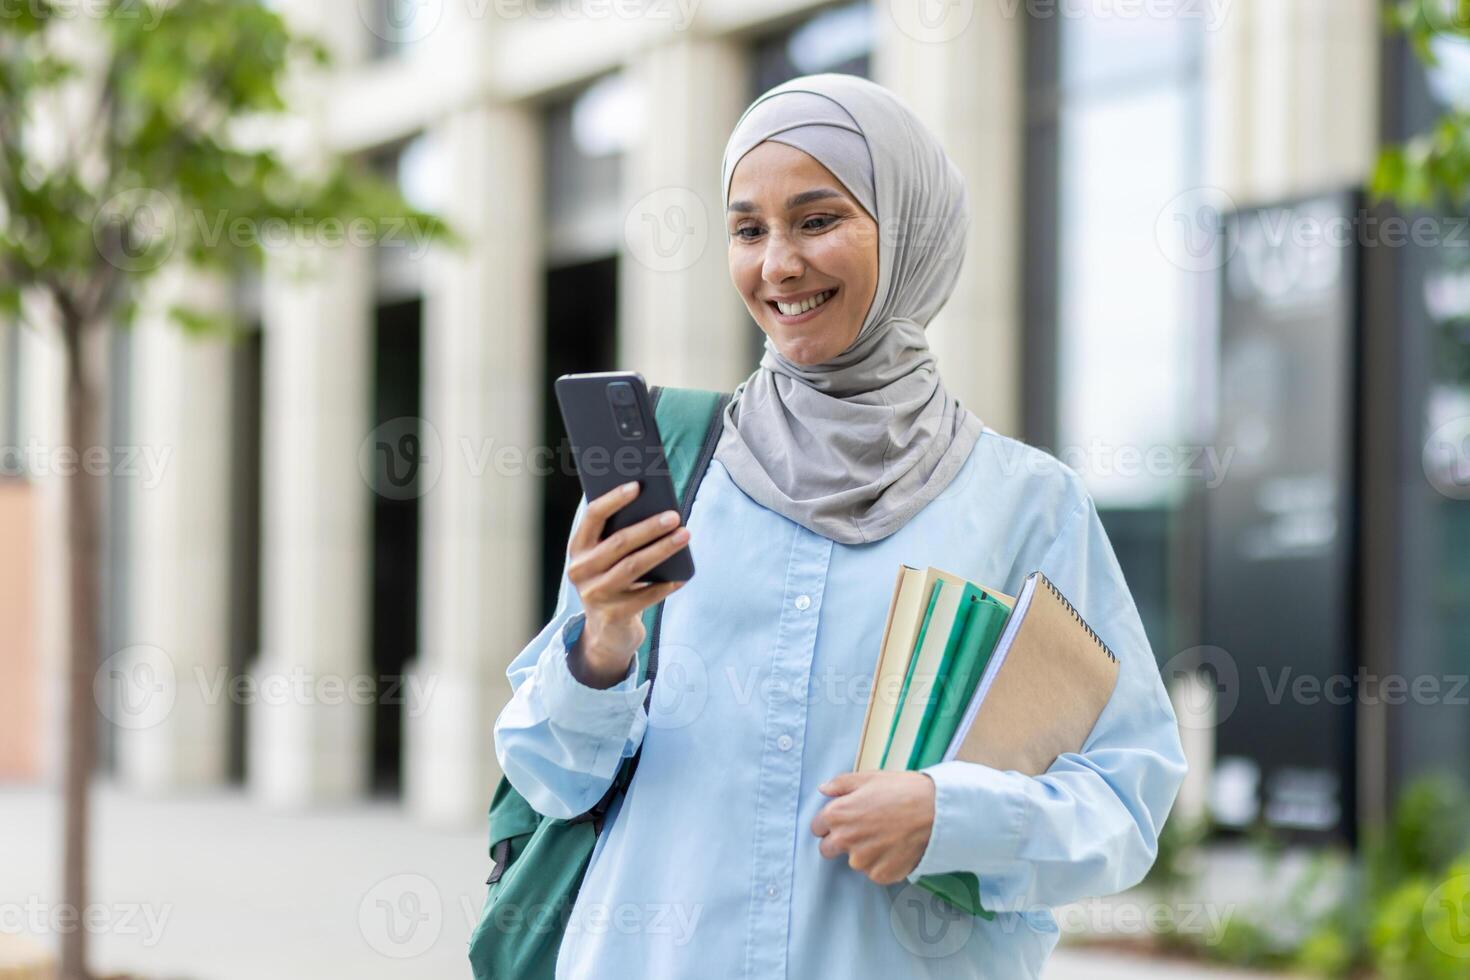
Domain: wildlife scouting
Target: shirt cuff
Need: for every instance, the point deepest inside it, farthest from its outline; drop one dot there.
(600, 712)
(979, 820)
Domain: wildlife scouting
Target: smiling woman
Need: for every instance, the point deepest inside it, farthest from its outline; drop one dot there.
(841, 457)
(803, 254)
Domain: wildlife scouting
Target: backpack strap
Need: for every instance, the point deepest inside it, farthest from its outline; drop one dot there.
(690, 422)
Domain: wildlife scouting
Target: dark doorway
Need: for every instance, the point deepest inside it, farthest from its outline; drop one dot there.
(245, 469)
(581, 336)
(396, 376)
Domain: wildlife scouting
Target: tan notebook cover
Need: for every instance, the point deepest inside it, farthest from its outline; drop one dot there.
(1047, 694)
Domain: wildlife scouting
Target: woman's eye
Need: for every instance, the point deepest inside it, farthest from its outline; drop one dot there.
(824, 219)
(741, 232)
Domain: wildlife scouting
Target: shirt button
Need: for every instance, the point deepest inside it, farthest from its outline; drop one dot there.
(771, 891)
(803, 602)
(784, 742)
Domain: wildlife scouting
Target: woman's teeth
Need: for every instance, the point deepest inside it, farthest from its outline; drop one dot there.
(793, 309)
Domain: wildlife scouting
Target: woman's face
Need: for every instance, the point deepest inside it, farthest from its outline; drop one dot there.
(797, 234)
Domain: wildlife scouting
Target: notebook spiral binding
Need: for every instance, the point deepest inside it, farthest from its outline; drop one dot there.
(1078, 616)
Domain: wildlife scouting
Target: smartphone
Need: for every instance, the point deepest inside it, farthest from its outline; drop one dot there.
(609, 419)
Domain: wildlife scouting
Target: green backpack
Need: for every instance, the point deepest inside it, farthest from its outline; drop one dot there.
(539, 860)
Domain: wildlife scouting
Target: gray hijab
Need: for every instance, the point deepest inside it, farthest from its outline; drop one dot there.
(855, 446)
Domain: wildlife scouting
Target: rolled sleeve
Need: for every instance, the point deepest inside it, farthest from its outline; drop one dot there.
(602, 713)
(966, 794)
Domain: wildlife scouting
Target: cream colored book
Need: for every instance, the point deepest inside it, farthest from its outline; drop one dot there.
(911, 590)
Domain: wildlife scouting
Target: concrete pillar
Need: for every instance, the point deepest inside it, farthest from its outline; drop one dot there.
(309, 722)
(1291, 97)
(178, 498)
(482, 403)
(680, 321)
(962, 74)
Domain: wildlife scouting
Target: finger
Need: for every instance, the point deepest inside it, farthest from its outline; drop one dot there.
(845, 783)
(626, 571)
(620, 544)
(821, 826)
(599, 509)
(833, 845)
(646, 596)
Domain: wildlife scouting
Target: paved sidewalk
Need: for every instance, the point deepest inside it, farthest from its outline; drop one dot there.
(214, 887)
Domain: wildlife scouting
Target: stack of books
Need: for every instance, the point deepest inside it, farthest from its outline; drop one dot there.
(968, 673)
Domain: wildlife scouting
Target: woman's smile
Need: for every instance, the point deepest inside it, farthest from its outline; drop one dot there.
(800, 309)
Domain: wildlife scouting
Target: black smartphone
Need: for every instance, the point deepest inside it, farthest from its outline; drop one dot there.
(615, 439)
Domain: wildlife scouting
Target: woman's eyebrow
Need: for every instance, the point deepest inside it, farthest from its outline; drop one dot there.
(794, 201)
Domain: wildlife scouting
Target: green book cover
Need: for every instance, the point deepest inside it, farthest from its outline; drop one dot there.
(960, 889)
(964, 666)
(940, 636)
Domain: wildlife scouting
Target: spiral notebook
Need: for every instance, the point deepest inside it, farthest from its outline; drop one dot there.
(1048, 679)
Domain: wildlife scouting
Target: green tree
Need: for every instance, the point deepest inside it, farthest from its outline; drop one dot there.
(166, 85)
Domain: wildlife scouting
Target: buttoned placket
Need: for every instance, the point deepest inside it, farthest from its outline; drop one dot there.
(779, 783)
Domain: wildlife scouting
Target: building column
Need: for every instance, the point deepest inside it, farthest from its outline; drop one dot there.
(178, 505)
(680, 322)
(1291, 95)
(482, 401)
(310, 722)
(962, 75)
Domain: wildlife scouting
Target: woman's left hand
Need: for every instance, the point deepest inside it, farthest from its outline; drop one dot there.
(880, 820)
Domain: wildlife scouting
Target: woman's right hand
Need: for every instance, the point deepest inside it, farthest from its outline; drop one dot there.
(605, 574)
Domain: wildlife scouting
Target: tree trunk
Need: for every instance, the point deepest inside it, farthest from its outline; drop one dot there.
(84, 530)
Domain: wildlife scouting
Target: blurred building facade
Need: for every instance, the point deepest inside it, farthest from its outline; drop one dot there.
(351, 493)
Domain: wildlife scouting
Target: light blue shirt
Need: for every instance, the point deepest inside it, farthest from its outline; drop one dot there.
(708, 867)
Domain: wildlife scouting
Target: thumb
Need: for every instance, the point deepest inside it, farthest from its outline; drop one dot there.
(844, 783)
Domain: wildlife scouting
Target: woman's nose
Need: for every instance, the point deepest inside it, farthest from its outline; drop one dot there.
(782, 261)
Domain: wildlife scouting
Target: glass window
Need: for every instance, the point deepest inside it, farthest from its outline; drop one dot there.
(1117, 324)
